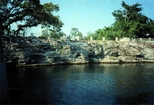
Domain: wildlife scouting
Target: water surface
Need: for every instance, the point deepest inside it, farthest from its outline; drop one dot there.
(99, 84)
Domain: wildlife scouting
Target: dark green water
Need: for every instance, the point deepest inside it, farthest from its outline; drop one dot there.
(97, 84)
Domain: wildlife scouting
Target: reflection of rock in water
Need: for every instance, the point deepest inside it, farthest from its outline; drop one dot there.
(141, 98)
(85, 84)
(14, 93)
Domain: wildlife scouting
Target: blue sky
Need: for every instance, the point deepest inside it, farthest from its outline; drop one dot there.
(90, 15)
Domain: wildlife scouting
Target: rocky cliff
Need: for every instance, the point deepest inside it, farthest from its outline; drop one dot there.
(32, 50)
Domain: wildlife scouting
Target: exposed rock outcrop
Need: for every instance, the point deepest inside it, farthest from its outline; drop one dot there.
(32, 50)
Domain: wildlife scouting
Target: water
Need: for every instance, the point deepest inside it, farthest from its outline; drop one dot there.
(99, 84)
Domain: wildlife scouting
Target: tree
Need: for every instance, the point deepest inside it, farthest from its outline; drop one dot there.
(151, 28)
(53, 31)
(107, 32)
(91, 34)
(75, 32)
(29, 13)
(130, 22)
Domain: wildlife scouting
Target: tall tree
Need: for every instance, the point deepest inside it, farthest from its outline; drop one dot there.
(75, 32)
(53, 31)
(29, 13)
(131, 22)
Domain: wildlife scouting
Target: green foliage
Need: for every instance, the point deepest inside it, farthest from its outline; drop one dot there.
(52, 30)
(130, 21)
(29, 13)
(45, 34)
(52, 33)
(92, 34)
(75, 32)
(107, 32)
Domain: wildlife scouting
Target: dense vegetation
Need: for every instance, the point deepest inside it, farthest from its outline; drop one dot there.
(75, 33)
(29, 13)
(129, 22)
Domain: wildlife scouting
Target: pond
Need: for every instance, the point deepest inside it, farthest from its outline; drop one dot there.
(99, 84)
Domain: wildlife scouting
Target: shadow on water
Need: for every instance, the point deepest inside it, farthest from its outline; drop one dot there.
(142, 98)
(84, 84)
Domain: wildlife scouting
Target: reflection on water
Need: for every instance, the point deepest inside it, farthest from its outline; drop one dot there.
(85, 84)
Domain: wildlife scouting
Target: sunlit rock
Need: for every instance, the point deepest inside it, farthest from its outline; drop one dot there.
(32, 50)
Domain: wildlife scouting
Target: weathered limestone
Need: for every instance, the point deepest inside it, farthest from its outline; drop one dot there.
(40, 51)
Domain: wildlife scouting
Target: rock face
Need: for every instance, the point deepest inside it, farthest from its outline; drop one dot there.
(32, 50)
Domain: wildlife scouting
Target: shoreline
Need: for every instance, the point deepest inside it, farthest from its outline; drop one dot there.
(81, 63)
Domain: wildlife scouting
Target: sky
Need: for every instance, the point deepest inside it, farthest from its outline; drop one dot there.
(90, 15)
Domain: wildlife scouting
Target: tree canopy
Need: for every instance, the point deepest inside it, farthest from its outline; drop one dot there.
(129, 22)
(74, 32)
(29, 13)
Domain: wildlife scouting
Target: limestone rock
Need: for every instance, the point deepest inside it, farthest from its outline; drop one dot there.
(31, 50)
